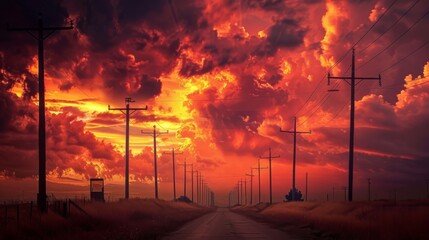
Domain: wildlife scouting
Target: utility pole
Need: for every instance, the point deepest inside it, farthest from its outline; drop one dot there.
(238, 192)
(353, 85)
(294, 154)
(40, 37)
(251, 184)
(259, 179)
(184, 176)
(270, 157)
(155, 134)
(128, 112)
(202, 189)
(173, 153)
(369, 189)
(306, 186)
(245, 191)
(197, 188)
(192, 183)
(241, 191)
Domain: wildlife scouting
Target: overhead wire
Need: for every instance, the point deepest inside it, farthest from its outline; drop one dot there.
(394, 41)
(343, 57)
(391, 26)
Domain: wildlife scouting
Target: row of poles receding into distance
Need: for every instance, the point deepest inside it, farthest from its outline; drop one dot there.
(259, 168)
(44, 32)
(41, 197)
(204, 194)
(353, 81)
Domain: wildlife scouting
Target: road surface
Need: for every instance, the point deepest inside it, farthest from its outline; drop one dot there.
(224, 224)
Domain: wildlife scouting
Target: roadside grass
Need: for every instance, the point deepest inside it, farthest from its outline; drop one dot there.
(131, 219)
(344, 220)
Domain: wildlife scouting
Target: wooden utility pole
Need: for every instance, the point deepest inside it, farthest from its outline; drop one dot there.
(192, 182)
(353, 85)
(270, 157)
(184, 176)
(173, 153)
(127, 113)
(294, 155)
(306, 186)
(197, 186)
(251, 184)
(155, 134)
(238, 193)
(259, 179)
(40, 37)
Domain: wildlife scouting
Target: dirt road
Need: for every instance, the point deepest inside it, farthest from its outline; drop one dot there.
(224, 224)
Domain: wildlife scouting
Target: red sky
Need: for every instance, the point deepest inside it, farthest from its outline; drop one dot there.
(223, 77)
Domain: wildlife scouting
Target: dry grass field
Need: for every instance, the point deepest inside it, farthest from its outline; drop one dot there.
(344, 220)
(132, 219)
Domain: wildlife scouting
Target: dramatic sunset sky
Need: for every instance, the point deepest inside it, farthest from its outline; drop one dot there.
(223, 76)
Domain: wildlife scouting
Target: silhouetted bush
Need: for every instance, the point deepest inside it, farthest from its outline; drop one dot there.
(298, 196)
(184, 199)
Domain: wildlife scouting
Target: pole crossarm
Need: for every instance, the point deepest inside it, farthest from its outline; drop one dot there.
(173, 153)
(353, 85)
(270, 157)
(127, 111)
(184, 164)
(155, 164)
(294, 132)
(40, 36)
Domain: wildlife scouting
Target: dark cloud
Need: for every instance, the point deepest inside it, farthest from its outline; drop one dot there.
(286, 33)
(150, 87)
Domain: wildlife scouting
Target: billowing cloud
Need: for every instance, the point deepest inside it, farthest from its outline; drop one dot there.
(223, 77)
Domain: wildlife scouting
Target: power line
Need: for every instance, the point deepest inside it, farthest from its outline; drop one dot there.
(40, 37)
(396, 40)
(391, 26)
(127, 114)
(155, 134)
(341, 59)
(294, 155)
(270, 157)
(402, 59)
(352, 84)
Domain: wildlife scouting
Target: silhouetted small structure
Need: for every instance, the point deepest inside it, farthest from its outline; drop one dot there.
(298, 195)
(184, 199)
(97, 189)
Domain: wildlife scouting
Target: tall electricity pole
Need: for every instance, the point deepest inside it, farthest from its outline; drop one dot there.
(202, 189)
(40, 37)
(251, 184)
(128, 112)
(173, 153)
(259, 179)
(198, 193)
(306, 186)
(184, 176)
(245, 191)
(270, 157)
(238, 193)
(294, 154)
(192, 183)
(241, 191)
(353, 85)
(155, 134)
